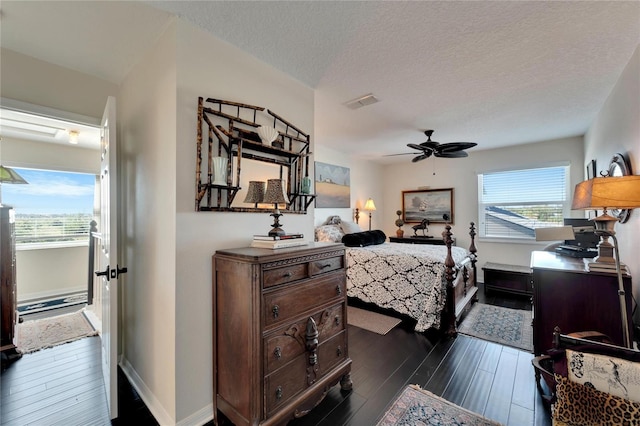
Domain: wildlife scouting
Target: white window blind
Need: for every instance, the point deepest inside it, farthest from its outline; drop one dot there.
(512, 204)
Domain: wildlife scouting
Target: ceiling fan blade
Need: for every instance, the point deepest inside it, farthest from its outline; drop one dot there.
(404, 153)
(414, 146)
(456, 146)
(452, 154)
(420, 157)
(431, 145)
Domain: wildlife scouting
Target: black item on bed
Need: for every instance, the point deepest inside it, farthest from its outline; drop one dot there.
(363, 239)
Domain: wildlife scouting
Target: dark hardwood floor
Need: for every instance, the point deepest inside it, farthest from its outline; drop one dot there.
(63, 385)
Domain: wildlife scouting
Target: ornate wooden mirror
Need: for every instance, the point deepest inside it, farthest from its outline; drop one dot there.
(620, 166)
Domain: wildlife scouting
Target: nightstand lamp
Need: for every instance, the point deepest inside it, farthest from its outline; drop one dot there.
(370, 207)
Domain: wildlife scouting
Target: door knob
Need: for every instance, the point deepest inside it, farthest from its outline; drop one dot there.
(104, 273)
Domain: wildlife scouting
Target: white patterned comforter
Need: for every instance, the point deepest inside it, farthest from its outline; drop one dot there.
(408, 278)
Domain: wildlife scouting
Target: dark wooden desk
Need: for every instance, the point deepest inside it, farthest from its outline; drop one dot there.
(567, 295)
(420, 240)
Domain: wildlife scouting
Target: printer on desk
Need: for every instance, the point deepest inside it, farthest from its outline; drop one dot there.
(585, 243)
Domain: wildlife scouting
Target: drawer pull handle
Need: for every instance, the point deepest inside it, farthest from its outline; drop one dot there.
(279, 392)
(339, 289)
(339, 351)
(276, 311)
(287, 274)
(326, 265)
(337, 319)
(278, 352)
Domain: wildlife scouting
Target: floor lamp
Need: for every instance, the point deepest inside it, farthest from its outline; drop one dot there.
(611, 192)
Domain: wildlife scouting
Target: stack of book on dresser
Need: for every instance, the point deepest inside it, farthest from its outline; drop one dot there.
(278, 241)
(607, 267)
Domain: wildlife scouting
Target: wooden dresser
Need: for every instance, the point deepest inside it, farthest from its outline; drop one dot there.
(279, 331)
(8, 290)
(567, 295)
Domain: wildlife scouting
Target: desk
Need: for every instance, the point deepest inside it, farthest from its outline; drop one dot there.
(567, 295)
(420, 240)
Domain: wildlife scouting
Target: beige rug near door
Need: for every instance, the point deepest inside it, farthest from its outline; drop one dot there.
(371, 321)
(44, 333)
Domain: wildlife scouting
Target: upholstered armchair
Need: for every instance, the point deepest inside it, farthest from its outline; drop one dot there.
(588, 381)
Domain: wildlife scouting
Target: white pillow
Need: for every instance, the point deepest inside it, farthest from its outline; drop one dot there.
(350, 227)
(329, 233)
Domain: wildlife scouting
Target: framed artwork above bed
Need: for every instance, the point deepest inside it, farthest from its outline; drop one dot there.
(435, 205)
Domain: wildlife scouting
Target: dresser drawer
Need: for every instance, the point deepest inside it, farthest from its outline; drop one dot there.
(283, 304)
(323, 266)
(286, 383)
(331, 353)
(284, 275)
(290, 341)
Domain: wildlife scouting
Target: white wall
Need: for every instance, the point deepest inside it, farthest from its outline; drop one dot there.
(27, 79)
(208, 67)
(366, 182)
(47, 272)
(616, 129)
(146, 109)
(461, 174)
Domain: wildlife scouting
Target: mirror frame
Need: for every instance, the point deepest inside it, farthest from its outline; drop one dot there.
(620, 162)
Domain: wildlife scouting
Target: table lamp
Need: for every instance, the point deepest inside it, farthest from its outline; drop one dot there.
(275, 194)
(370, 207)
(255, 193)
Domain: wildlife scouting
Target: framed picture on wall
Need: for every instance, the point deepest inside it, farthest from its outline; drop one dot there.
(435, 205)
(591, 169)
(332, 186)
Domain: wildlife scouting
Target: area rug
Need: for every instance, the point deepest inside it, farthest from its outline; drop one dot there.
(510, 327)
(416, 406)
(371, 321)
(44, 333)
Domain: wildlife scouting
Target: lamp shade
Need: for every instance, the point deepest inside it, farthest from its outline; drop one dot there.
(619, 192)
(8, 175)
(255, 193)
(275, 193)
(369, 206)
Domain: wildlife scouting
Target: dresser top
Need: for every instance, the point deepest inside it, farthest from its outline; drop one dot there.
(553, 261)
(253, 254)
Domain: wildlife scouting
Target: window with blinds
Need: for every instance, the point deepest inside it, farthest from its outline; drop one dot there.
(53, 208)
(513, 203)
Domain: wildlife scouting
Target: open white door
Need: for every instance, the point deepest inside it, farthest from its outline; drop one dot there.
(107, 262)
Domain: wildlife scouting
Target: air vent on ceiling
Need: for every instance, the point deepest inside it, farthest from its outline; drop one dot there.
(362, 101)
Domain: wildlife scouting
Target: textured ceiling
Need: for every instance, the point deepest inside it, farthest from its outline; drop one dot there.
(495, 73)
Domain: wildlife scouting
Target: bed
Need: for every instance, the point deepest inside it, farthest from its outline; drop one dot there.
(431, 284)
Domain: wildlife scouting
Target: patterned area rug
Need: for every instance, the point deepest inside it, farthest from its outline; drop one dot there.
(44, 333)
(510, 327)
(371, 321)
(416, 406)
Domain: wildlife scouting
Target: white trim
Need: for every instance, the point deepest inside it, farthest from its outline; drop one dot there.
(35, 297)
(200, 417)
(51, 245)
(149, 399)
(14, 105)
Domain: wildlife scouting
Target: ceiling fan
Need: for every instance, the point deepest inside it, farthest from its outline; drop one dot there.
(444, 150)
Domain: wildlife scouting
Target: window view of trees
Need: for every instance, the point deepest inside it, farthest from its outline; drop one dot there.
(54, 207)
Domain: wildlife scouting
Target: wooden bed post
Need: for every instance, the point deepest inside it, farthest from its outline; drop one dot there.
(474, 257)
(449, 313)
